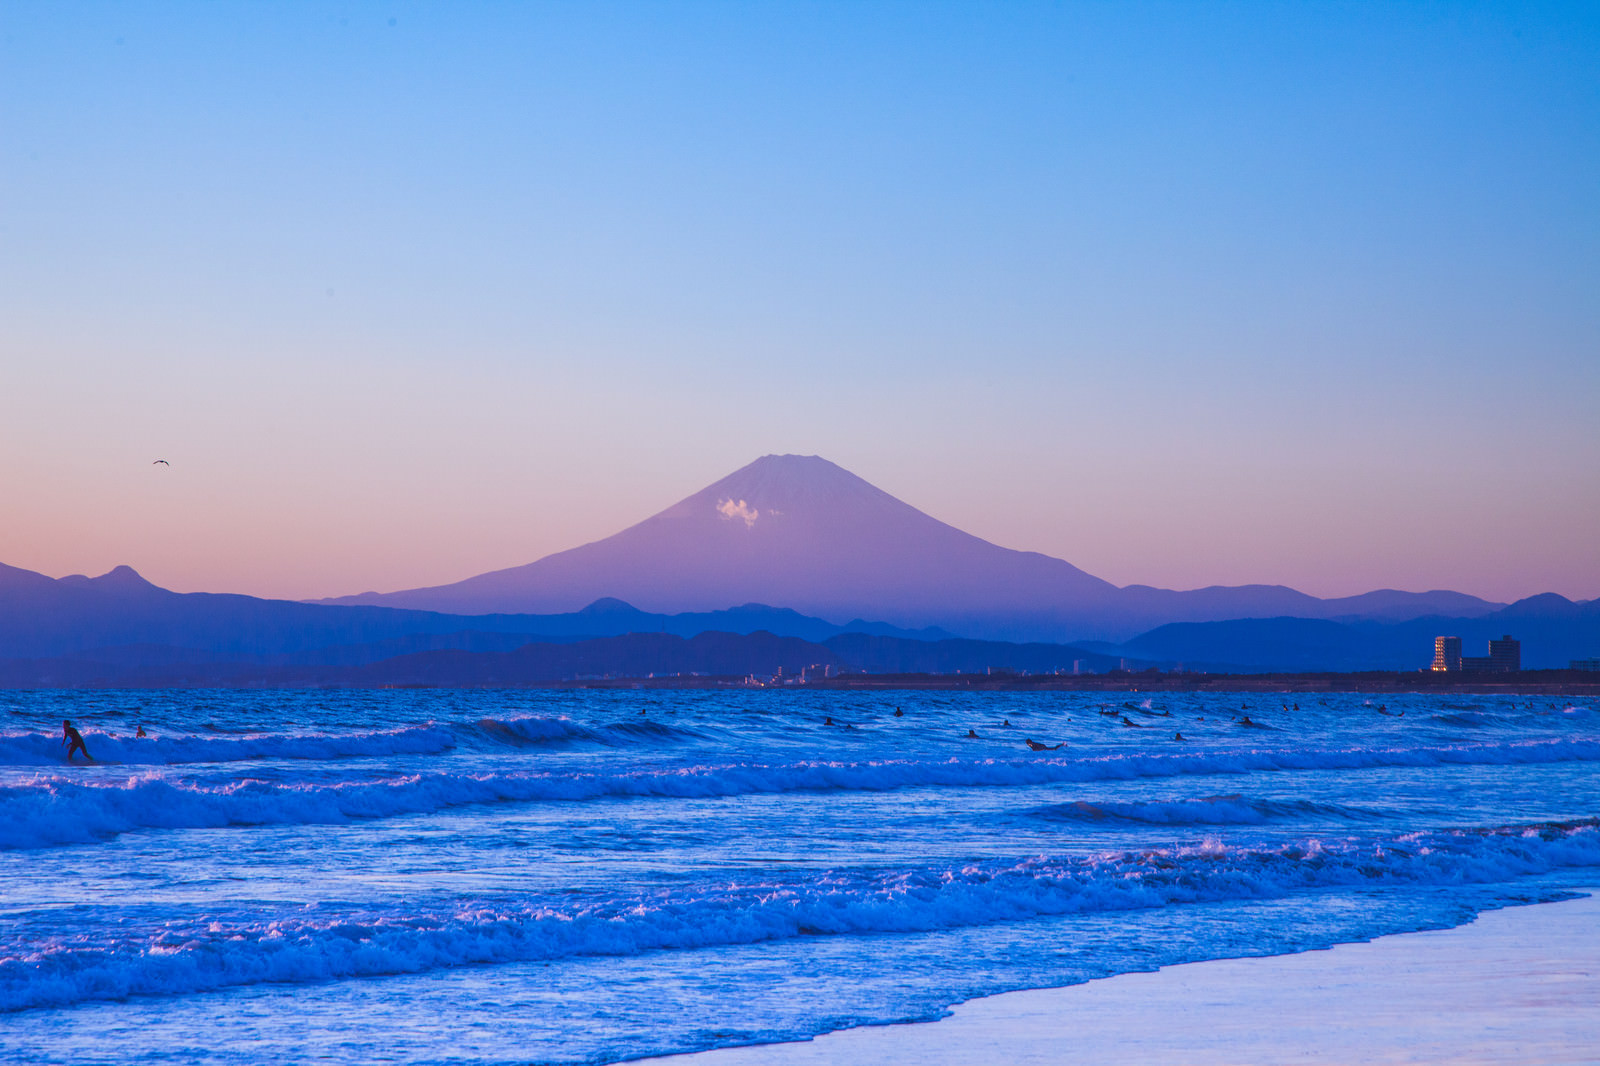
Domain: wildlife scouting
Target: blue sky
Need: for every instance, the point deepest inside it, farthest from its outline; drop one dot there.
(1183, 293)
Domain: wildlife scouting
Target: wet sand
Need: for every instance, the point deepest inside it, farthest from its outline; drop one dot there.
(1520, 985)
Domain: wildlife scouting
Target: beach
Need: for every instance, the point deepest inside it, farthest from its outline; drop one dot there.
(1519, 985)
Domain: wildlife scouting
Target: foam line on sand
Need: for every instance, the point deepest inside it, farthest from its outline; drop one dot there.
(1520, 985)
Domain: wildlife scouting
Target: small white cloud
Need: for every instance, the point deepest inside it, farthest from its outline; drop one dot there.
(738, 509)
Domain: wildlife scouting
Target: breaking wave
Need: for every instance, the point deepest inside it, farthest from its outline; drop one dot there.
(187, 956)
(60, 809)
(45, 749)
(1212, 810)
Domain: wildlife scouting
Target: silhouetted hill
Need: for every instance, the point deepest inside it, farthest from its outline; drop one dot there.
(489, 659)
(634, 655)
(120, 629)
(45, 617)
(1553, 631)
(891, 655)
(1274, 644)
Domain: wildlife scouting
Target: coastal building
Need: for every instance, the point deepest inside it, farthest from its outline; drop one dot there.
(1592, 665)
(1505, 656)
(1446, 654)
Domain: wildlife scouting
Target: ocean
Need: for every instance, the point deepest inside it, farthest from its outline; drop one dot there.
(590, 876)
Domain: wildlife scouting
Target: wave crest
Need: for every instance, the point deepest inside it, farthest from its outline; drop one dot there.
(60, 809)
(177, 958)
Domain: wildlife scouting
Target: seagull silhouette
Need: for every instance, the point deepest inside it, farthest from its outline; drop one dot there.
(163, 462)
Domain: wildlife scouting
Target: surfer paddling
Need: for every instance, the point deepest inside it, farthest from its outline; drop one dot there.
(1034, 745)
(74, 742)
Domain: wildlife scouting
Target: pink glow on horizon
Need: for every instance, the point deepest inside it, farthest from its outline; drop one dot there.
(198, 530)
(1286, 295)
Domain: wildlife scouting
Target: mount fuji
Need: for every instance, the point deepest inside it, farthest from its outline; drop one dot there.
(800, 532)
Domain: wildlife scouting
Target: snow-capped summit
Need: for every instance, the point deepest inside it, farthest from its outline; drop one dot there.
(799, 532)
(789, 530)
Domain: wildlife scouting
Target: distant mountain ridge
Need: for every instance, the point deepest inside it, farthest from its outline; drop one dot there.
(118, 630)
(796, 531)
(627, 657)
(1553, 631)
(43, 617)
(804, 533)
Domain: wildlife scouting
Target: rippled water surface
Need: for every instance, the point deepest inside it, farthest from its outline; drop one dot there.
(588, 876)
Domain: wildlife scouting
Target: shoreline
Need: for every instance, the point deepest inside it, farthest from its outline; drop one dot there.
(1515, 985)
(1567, 683)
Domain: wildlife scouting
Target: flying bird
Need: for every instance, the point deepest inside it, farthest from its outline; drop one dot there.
(163, 462)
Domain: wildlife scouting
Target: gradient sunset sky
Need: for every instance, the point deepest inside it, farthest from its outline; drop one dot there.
(1186, 294)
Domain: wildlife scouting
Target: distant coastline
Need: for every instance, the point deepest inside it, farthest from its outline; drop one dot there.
(1526, 683)
(1530, 682)
(120, 631)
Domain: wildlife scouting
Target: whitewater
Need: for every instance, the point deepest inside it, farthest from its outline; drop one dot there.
(589, 876)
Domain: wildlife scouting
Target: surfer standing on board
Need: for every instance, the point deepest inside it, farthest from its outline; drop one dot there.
(74, 742)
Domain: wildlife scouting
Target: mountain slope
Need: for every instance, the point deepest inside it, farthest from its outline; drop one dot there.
(801, 532)
(787, 529)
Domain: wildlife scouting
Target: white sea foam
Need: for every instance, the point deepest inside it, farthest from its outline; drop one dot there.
(46, 749)
(60, 809)
(176, 957)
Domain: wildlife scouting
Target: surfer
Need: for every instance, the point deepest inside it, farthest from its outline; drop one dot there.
(1034, 745)
(898, 713)
(1178, 736)
(140, 732)
(972, 734)
(1006, 724)
(1130, 724)
(74, 742)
